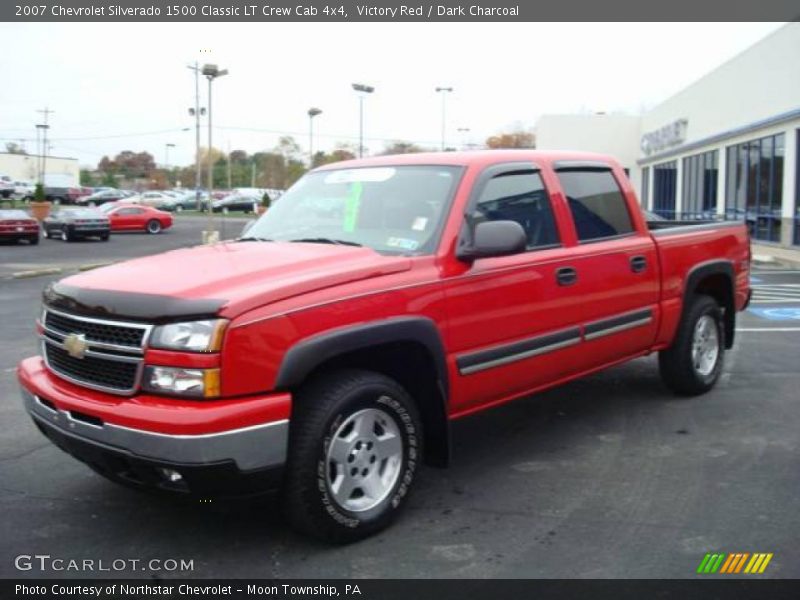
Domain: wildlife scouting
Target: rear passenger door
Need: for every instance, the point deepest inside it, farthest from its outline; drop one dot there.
(512, 326)
(616, 268)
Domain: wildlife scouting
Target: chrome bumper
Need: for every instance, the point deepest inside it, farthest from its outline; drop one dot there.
(251, 448)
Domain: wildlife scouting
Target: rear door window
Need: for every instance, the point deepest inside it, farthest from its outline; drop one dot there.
(598, 207)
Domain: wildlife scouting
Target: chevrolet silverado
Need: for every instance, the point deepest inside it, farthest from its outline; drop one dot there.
(326, 351)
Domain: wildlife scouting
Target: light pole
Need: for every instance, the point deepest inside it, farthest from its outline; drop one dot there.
(444, 91)
(363, 91)
(167, 146)
(211, 72)
(312, 112)
(463, 131)
(196, 112)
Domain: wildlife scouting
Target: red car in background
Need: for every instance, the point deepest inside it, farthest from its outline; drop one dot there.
(16, 225)
(136, 217)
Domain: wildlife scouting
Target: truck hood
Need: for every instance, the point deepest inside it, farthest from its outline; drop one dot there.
(227, 278)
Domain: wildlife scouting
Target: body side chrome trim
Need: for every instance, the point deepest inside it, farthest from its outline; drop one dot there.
(498, 355)
(617, 328)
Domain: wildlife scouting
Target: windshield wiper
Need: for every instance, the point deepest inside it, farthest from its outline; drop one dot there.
(324, 240)
(253, 238)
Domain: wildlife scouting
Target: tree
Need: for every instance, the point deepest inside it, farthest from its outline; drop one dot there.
(341, 152)
(400, 147)
(86, 178)
(514, 139)
(15, 148)
(288, 147)
(129, 164)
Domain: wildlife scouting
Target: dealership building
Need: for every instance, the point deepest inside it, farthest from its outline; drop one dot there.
(727, 146)
(27, 167)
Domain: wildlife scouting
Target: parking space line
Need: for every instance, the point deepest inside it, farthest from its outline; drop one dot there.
(757, 329)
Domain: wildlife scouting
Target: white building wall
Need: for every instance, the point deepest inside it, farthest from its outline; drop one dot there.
(615, 135)
(25, 167)
(761, 82)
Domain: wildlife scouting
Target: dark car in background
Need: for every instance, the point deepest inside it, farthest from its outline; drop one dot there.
(99, 198)
(64, 194)
(236, 202)
(16, 225)
(72, 224)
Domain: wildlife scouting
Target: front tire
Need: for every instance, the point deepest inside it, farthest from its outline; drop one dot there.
(354, 451)
(153, 226)
(66, 236)
(693, 364)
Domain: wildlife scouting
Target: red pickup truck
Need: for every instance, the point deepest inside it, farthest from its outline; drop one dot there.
(326, 351)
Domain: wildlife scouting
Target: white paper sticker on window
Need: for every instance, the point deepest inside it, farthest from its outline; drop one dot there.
(419, 224)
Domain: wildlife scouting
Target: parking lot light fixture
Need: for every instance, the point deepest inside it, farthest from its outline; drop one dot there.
(362, 90)
(211, 72)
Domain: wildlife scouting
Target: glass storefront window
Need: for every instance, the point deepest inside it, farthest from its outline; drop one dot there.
(700, 174)
(665, 179)
(754, 188)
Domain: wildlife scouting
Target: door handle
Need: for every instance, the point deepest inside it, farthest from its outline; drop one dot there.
(566, 276)
(638, 264)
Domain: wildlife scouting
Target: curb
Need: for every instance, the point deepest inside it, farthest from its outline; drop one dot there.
(90, 266)
(36, 273)
(57, 270)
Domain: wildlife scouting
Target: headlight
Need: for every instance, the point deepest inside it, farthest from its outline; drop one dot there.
(194, 336)
(197, 383)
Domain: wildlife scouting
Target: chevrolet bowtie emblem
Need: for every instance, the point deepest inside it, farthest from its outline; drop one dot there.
(75, 345)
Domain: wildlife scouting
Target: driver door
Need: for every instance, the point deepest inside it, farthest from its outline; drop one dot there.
(514, 321)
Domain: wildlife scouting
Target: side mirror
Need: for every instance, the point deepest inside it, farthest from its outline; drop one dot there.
(494, 238)
(247, 227)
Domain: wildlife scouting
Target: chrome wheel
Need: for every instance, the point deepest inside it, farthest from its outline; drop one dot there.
(705, 345)
(364, 459)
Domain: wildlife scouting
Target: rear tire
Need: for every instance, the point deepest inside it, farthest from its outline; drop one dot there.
(355, 447)
(153, 226)
(104, 237)
(692, 365)
(33, 241)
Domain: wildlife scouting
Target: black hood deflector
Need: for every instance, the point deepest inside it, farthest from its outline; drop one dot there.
(108, 304)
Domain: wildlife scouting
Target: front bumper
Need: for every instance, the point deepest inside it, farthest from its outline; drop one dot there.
(220, 459)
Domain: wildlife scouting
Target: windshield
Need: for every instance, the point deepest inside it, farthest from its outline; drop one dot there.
(13, 214)
(393, 210)
(81, 213)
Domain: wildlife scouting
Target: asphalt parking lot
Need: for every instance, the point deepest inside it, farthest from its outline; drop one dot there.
(54, 254)
(610, 476)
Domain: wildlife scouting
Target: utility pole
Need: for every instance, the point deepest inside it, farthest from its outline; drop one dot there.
(46, 112)
(196, 112)
(211, 72)
(444, 91)
(312, 112)
(230, 185)
(362, 90)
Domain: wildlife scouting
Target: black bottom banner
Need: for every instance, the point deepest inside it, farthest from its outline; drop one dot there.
(403, 589)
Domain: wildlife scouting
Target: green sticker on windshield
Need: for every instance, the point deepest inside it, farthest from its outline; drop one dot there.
(351, 207)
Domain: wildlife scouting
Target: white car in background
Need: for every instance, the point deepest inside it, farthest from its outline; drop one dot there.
(154, 199)
(24, 189)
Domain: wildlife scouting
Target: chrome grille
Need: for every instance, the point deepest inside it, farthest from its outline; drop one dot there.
(95, 330)
(114, 354)
(111, 374)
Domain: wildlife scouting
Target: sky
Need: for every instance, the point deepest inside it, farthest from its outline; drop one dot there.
(120, 86)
